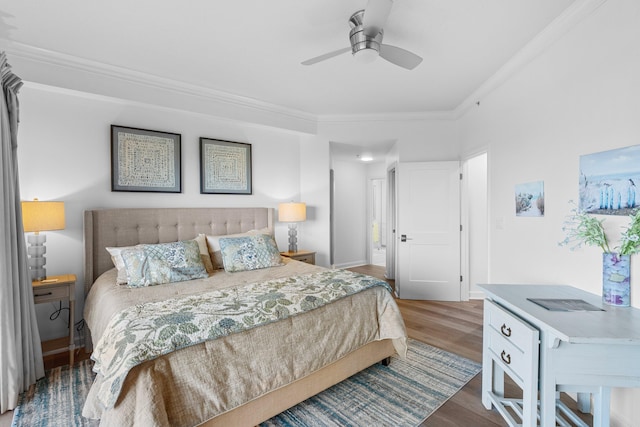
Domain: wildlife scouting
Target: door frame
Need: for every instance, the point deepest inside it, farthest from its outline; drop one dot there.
(465, 213)
(392, 222)
(370, 213)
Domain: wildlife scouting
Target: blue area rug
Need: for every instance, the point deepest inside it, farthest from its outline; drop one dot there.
(57, 399)
(404, 393)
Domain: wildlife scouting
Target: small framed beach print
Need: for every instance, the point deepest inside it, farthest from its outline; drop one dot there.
(530, 199)
(145, 160)
(225, 167)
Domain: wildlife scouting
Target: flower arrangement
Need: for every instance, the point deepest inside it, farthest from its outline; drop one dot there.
(630, 241)
(582, 228)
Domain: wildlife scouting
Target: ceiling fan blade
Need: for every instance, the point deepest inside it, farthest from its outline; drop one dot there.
(399, 56)
(375, 15)
(326, 56)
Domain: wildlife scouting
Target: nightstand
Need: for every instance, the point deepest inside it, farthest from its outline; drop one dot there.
(54, 289)
(304, 256)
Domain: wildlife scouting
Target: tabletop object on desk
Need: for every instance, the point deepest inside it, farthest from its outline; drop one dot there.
(54, 289)
(305, 256)
(560, 304)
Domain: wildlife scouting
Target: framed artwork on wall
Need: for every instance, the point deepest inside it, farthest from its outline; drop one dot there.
(608, 181)
(145, 160)
(225, 167)
(530, 199)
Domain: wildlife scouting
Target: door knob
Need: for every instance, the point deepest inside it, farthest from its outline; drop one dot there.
(404, 238)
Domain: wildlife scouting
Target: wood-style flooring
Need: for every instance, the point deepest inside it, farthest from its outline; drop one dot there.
(453, 326)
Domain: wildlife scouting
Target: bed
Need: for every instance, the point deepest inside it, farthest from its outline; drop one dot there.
(240, 378)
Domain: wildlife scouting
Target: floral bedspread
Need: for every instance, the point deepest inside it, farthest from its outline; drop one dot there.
(146, 331)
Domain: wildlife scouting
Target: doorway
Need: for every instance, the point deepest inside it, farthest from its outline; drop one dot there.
(378, 223)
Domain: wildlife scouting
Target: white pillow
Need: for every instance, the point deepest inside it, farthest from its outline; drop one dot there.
(118, 261)
(214, 244)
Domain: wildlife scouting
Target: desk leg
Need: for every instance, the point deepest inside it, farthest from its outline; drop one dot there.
(547, 384)
(492, 375)
(584, 403)
(72, 328)
(601, 408)
(498, 381)
(492, 379)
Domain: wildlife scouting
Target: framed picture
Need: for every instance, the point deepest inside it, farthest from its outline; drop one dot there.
(225, 167)
(530, 199)
(145, 160)
(607, 183)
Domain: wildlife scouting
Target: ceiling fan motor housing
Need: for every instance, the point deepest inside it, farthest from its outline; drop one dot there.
(363, 45)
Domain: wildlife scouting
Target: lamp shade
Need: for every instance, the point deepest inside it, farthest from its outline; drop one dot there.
(42, 216)
(292, 212)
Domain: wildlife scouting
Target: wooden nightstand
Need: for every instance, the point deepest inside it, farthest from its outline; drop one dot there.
(304, 256)
(54, 289)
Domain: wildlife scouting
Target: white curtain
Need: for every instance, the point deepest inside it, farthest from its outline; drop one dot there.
(20, 352)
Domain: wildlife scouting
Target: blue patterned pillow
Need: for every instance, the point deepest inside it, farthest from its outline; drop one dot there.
(148, 265)
(249, 252)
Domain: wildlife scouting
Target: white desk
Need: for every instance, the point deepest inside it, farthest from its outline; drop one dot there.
(586, 351)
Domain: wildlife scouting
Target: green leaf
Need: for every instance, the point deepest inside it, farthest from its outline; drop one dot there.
(167, 332)
(188, 328)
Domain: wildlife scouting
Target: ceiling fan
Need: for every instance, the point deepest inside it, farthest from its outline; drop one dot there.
(366, 38)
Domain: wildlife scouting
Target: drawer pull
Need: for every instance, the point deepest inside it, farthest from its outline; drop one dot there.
(505, 331)
(43, 295)
(506, 358)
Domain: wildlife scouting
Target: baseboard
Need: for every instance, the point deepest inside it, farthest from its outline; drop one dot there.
(351, 264)
(476, 295)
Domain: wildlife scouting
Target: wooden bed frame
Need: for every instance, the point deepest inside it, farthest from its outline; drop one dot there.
(127, 227)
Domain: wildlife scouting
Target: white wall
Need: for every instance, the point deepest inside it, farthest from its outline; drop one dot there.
(578, 97)
(428, 139)
(64, 154)
(350, 213)
(314, 185)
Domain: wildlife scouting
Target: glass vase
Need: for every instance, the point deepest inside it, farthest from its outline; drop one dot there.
(616, 283)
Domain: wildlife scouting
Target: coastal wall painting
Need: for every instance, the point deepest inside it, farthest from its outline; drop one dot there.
(530, 199)
(608, 181)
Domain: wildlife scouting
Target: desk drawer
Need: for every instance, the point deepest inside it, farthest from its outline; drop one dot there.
(50, 294)
(512, 360)
(512, 328)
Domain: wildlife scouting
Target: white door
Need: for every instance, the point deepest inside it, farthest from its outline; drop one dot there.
(428, 236)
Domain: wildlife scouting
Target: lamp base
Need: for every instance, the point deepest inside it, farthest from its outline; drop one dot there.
(293, 237)
(37, 260)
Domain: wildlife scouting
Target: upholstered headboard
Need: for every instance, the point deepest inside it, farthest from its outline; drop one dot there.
(127, 227)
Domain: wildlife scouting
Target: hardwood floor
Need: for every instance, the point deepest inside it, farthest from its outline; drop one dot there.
(455, 327)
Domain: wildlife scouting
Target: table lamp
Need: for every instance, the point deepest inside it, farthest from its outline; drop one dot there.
(292, 213)
(37, 217)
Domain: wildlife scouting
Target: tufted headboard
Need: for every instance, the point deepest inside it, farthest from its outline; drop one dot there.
(128, 227)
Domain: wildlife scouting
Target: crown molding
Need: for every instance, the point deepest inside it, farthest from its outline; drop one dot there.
(48, 58)
(386, 117)
(553, 32)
